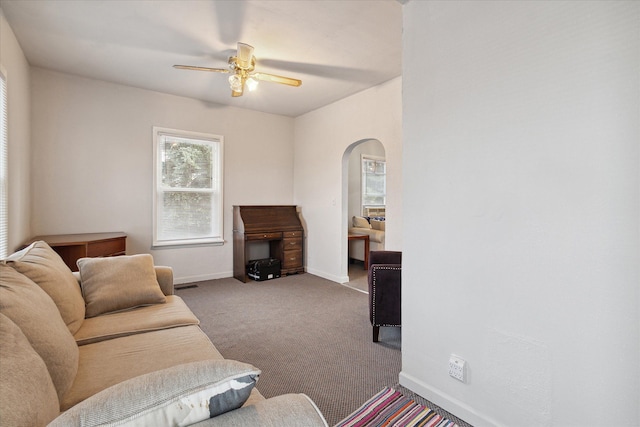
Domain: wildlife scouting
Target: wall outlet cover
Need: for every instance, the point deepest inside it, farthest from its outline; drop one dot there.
(457, 367)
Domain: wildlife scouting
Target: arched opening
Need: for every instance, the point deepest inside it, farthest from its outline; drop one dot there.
(363, 162)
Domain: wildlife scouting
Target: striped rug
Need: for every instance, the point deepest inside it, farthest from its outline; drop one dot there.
(391, 408)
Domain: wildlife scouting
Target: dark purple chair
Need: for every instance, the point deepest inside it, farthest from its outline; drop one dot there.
(385, 270)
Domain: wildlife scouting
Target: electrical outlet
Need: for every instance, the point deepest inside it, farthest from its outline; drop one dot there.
(456, 367)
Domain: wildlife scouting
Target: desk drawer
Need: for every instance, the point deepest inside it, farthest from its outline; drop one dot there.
(292, 244)
(292, 259)
(106, 247)
(286, 234)
(263, 236)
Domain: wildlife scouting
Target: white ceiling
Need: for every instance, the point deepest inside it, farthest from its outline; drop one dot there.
(337, 48)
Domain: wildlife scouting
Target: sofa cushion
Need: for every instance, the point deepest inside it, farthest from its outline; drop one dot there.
(35, 313)
(143, 319)
(377, 224)
(44, 266)
(106, 363)
(118, 283)
(27, 394)
(180, 395)
(361, 222)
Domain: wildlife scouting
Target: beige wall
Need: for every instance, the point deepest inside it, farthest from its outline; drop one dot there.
(16, 67)
(323, 140)
(522, 210)
(92, 163)
(90, 169)
(81, 161)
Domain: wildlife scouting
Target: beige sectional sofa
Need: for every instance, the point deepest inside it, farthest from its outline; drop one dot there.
(113, 345)
(371, 227)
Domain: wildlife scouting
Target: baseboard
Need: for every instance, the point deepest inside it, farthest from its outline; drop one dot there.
(324, 275)
(446, 402)
(223, 275)
(201, 278)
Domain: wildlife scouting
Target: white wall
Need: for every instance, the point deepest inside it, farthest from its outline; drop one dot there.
(320, 171)
(15, 65)
(521, 210)
(92, 163)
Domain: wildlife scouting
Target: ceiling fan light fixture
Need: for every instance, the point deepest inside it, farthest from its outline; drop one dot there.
(235, 81)
(241, 69)
(252, 83)
(245, 55)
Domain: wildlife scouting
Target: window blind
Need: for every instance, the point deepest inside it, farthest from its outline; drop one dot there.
(4, 187)
(374, 186)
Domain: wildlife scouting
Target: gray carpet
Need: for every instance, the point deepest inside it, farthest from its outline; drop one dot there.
(307, 335)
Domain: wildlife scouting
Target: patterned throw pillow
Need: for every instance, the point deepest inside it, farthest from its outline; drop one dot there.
(180, 396)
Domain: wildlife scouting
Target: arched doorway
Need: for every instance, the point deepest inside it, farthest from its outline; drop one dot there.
(355, 205)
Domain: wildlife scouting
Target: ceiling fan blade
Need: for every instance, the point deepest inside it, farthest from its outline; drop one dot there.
(245, 53)
(277, 79)
(191, 67)
(321, 70)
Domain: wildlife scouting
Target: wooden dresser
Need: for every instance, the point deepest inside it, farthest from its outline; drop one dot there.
(72, 247)
(279, 225)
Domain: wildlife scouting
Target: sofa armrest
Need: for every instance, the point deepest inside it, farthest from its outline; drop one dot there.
(287, 410)
(165, 279)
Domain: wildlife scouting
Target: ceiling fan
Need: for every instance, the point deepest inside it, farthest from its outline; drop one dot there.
(242, 67)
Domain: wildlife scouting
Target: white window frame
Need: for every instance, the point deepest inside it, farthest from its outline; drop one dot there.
(4, 165)
(364, 205)
(217, 236)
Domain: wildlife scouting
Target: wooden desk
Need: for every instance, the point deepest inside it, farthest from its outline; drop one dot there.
(72, 247)
(364, 237)
(278, 225)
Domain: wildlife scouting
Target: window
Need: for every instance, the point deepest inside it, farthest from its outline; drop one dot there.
(188, 188)
(4, 174)
(374, 182)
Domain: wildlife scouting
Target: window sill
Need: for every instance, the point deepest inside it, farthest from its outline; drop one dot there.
(186, 244)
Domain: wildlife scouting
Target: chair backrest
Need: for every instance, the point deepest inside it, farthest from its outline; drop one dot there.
(385, 257)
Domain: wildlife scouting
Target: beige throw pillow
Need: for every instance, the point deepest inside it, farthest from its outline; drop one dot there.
(361, 222)
(118, 283)
(27, 394)
(29, 307)
(44, 266)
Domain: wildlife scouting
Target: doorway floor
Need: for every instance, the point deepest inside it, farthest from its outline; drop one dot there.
(357, 277)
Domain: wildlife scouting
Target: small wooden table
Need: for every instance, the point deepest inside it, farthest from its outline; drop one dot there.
(71, 247)
(364, 237)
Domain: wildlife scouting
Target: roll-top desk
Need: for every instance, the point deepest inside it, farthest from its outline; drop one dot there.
(279, 225)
